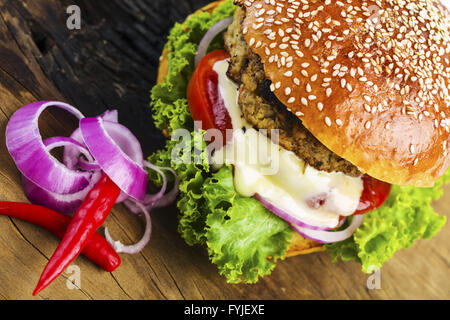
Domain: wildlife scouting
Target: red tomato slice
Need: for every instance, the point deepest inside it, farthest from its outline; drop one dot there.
(205, 103)
(374, 194)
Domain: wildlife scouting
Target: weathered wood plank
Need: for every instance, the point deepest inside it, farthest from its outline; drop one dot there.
(112, 63)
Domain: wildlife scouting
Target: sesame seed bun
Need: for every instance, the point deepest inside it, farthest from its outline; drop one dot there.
(298, 244)
(369, 79)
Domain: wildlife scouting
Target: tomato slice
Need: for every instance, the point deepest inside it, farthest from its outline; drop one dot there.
(374, 194)
(204, 99)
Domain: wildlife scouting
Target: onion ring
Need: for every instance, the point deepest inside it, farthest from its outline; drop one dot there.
(139, 246)
(63, 203)
(331, 236)
(126, 173)
(209, 37)
(25, 145)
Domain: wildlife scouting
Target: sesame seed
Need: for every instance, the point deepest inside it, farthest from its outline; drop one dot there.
(349, 87)
(287, 91)
(272, 87)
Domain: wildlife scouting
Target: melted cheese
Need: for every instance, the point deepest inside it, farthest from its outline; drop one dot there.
(262, 167)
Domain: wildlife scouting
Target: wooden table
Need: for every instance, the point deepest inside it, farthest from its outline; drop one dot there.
(111, 63)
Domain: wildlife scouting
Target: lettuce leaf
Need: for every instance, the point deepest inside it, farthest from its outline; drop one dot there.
(192, 174)
(239, 232)
(406, 216)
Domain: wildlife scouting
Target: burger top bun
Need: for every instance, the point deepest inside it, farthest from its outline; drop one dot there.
(369, 79)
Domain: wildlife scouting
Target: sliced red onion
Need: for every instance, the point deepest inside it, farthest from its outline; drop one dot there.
(74, 162)
(70, 156)
(171, 196)
(331, 236)
(160, 199)
(110, 115)
(106, 146)
(87, 166)
(24, 143)
(151, 201)
(126, 173)
(129, 144)
(287, 216)
(209, 37)
(138, 247)
(341, 222)
(121, 135)
(64, 203)
(152, 198)
(78, 148)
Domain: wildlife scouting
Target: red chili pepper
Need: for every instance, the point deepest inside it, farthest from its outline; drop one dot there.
(98, 250)
(89, 217)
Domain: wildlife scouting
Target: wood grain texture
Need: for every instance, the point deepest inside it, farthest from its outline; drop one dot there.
(112, 63)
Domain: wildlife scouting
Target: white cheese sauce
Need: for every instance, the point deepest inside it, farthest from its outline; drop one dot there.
(279, 176)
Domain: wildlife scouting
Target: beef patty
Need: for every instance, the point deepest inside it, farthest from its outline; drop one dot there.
(263, 110)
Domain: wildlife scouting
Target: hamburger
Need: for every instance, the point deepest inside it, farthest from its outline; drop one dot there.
(354, 97)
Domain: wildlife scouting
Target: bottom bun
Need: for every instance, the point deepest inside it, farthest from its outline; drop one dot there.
(299, 245)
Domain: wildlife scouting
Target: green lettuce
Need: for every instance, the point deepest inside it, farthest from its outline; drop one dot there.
(212, 213)
(241, 233)
(238, 232)
(406, 216)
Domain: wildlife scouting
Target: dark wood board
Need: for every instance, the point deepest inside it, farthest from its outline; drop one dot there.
(111, 62)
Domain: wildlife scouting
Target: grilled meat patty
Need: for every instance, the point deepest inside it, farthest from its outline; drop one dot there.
(263, 110)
